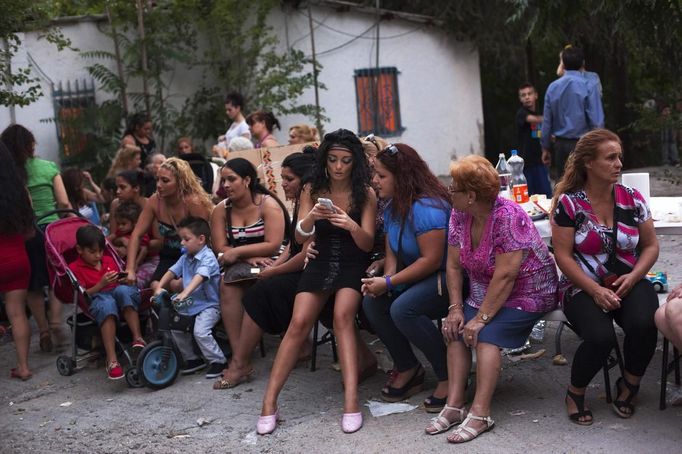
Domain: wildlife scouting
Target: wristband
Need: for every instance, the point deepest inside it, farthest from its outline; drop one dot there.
(302, 232)
(389, 285)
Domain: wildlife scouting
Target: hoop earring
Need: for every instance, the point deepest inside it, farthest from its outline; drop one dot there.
(326, 173)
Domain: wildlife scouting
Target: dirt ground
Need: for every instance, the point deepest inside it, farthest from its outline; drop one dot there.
(86, 413)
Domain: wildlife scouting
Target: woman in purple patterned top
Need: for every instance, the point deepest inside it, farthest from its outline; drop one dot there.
(512, 283)
(605, 243)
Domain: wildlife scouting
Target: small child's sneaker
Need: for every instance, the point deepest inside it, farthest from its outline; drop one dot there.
(192, 366)
(114, 370)
(215, 370)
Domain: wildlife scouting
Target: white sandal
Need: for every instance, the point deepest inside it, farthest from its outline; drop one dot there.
(466, 433)
(441, 424)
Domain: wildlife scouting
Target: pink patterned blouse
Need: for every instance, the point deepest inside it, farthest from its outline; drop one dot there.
(507, 229)
(593, 240)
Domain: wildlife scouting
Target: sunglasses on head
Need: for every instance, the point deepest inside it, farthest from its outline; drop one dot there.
(391, 149)
(371, 138)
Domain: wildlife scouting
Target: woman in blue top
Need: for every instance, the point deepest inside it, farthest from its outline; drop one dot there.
(401, 305)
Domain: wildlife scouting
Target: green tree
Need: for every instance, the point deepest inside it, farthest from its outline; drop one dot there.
(18, 86)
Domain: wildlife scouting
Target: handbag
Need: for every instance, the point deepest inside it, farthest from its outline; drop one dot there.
(240, 272)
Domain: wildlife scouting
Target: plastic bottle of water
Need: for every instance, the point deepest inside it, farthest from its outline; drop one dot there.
(519, 183)
(505, 177)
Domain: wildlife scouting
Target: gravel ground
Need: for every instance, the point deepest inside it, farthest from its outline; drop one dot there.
(88, 413)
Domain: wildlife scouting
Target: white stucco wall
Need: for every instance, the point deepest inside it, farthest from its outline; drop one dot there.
(438, 81)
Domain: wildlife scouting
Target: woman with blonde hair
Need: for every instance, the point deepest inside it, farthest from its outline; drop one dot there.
(604, 243)
(128, 157)
(303, 134)
(178, 195)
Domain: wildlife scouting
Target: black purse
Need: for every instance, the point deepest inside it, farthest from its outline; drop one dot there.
(240, 271)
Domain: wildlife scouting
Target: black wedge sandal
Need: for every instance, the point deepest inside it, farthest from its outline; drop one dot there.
(579, 401)
(619, 405)
(412, 387)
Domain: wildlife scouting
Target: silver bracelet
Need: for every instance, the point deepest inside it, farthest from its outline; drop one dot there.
(302, 232)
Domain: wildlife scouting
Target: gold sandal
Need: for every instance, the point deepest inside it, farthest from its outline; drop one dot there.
(224, 383)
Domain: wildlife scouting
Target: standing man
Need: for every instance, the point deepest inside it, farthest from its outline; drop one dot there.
(529, 126)
(572, 108)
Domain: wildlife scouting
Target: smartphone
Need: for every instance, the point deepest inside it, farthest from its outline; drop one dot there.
(326, 203)
(121, 275)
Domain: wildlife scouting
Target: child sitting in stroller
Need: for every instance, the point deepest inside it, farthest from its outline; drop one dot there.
(99, 275)
(200, 274)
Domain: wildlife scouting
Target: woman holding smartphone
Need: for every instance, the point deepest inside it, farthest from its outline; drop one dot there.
(344, 237)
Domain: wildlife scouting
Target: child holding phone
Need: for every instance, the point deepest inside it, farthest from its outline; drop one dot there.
(99, 275)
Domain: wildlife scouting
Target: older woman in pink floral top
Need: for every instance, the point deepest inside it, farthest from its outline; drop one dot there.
(512, 283)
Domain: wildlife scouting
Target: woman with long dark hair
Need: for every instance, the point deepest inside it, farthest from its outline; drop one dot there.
(338, 208)
(269, 303)
(402, 305)
(46, 188)
(81, 198)
(248, 226)
(139, 133)
(16, 224)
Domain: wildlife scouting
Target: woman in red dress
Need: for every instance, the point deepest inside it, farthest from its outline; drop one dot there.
(16, 223)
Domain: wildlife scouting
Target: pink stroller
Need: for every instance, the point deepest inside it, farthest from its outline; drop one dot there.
(60, 246)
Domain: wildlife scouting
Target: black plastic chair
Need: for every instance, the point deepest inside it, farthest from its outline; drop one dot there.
(667, 368)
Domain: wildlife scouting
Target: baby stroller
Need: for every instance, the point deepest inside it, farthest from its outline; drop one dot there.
(159, 362)
(60, 248)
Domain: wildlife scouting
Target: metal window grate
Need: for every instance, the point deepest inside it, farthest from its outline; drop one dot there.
(69, 103)
(378, 103)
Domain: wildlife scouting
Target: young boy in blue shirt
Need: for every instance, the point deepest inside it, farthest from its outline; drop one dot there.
(200, 273)
(98, 274)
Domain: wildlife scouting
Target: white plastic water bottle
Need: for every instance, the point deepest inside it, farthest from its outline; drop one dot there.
(505, 177)
(519, 183)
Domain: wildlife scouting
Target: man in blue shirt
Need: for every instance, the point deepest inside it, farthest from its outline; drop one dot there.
(572, 108)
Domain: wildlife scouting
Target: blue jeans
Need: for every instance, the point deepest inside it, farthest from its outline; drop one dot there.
(113, 301)
(409, 319)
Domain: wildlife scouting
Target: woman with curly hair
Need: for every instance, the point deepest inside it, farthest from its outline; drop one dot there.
(16, 224)
(338, 207)
(178, 195)
(303, 134)
(401, 305)
(128, 157)
(47, 192)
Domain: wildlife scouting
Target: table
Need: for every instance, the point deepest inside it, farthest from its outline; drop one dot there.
(667, 213)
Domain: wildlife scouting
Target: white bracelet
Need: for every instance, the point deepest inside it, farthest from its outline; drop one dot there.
(302, 232)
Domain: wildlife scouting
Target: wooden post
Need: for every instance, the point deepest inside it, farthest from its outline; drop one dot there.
(143, 54)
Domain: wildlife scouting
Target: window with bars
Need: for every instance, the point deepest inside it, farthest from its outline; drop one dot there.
(70, 104)
(378, 104)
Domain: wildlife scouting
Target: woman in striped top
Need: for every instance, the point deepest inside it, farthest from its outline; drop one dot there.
(247, 226)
